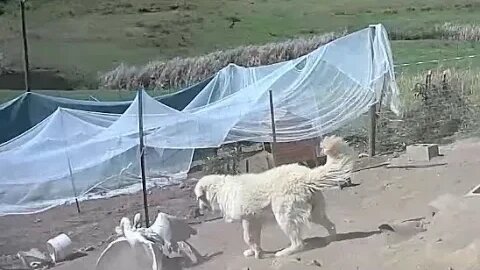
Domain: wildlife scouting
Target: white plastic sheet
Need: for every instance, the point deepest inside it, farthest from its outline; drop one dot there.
(72, 152)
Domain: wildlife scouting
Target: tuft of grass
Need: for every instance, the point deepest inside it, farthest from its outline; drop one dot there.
(466, 82)
(390, 11)
(340, 13)
(179, 72)
(462, 32)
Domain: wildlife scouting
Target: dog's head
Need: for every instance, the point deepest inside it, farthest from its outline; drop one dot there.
(205, 191)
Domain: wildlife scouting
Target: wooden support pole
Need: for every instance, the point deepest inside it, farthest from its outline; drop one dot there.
(372, 113)
(69, 164)
(142, 155)
(274, 132)
(72, 180)
(74, 188)
(25, 48)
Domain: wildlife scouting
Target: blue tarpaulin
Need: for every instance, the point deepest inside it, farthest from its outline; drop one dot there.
(29, 109)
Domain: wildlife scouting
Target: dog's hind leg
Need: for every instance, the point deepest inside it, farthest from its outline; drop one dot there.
(290, 217)
(319, 215)
(252, 230)
(257, 237)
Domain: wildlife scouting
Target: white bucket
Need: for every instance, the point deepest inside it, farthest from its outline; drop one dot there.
(59, 247)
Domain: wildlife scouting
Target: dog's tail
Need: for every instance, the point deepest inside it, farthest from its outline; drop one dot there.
(338, 169)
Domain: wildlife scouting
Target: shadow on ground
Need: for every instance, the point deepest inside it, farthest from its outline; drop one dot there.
(321, 242)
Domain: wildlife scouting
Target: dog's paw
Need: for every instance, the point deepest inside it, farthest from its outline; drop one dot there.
(282, 253)
(289, 251)
(248, 253)
(258, 254)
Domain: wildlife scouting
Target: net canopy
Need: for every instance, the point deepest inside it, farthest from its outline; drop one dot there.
(75, 153)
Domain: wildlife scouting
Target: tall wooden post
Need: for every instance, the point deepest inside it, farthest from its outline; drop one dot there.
(372, 115)
(274, 132)
(372, 112)
(142, 155)
(25, 48)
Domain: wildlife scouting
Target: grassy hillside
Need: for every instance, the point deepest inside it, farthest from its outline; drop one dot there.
(82, 38)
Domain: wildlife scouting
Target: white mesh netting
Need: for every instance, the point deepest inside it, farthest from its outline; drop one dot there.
(87, 154)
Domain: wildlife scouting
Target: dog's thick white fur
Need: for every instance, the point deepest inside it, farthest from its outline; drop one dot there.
(292, 192)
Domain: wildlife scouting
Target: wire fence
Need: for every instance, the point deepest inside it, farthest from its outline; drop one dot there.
(437, 61)
(440, 106)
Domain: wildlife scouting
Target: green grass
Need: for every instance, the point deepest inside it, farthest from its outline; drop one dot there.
(404, 52)
(86, 37)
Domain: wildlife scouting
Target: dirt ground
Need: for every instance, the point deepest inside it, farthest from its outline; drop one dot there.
(97, 220)
(385, 195)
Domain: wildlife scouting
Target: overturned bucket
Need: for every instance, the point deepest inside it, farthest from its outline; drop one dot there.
(59, 247)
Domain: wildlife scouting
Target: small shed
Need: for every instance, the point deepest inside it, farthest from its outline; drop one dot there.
(257, 157)
(303, 151)
(298, 151)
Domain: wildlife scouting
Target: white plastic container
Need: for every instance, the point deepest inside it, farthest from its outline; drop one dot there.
(59, 247)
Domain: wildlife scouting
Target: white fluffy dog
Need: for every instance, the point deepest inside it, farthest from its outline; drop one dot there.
(292, 192)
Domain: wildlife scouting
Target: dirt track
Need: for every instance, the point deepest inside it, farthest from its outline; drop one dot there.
(385, 195)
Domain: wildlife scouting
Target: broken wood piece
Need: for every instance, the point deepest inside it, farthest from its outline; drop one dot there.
(474, 192)
(415, 166)
(348, 183)
(205, 220)
(414, 219)
(372, 166)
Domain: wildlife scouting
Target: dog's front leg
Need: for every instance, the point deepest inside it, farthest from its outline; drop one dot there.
(252, 229)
